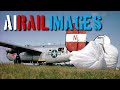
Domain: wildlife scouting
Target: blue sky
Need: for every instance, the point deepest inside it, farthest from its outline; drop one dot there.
(110, 22)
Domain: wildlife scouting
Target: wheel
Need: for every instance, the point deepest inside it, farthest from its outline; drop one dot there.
(17, 60)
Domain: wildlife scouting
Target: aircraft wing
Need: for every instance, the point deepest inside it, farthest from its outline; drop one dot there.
(19, 48)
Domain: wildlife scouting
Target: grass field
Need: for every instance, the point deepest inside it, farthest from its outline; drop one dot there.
(11, 71)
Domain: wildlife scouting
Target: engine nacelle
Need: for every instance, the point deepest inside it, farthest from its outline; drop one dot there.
(9, 50)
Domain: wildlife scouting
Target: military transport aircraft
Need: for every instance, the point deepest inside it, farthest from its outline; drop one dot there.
(75, 40)
(36, 54)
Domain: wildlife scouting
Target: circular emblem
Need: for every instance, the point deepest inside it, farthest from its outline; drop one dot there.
(54, 53)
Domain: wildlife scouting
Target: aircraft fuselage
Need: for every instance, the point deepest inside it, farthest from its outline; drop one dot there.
(50, 54)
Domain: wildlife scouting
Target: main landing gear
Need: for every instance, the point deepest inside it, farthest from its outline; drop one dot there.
(17, 60)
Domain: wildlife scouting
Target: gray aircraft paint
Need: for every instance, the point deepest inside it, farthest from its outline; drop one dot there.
(47, 55)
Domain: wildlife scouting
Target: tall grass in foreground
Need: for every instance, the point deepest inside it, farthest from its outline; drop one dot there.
(11, 71)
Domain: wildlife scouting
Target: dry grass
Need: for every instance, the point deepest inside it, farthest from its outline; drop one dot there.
(11, 71)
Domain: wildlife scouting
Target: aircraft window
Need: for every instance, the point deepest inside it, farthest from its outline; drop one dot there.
(61, 49)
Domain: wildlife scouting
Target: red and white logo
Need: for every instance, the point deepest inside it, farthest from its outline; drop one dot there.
(75, 39)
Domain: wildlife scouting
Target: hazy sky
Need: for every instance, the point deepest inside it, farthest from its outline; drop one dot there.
(110, 22)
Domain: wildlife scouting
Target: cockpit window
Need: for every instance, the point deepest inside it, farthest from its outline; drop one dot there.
(61, 50)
